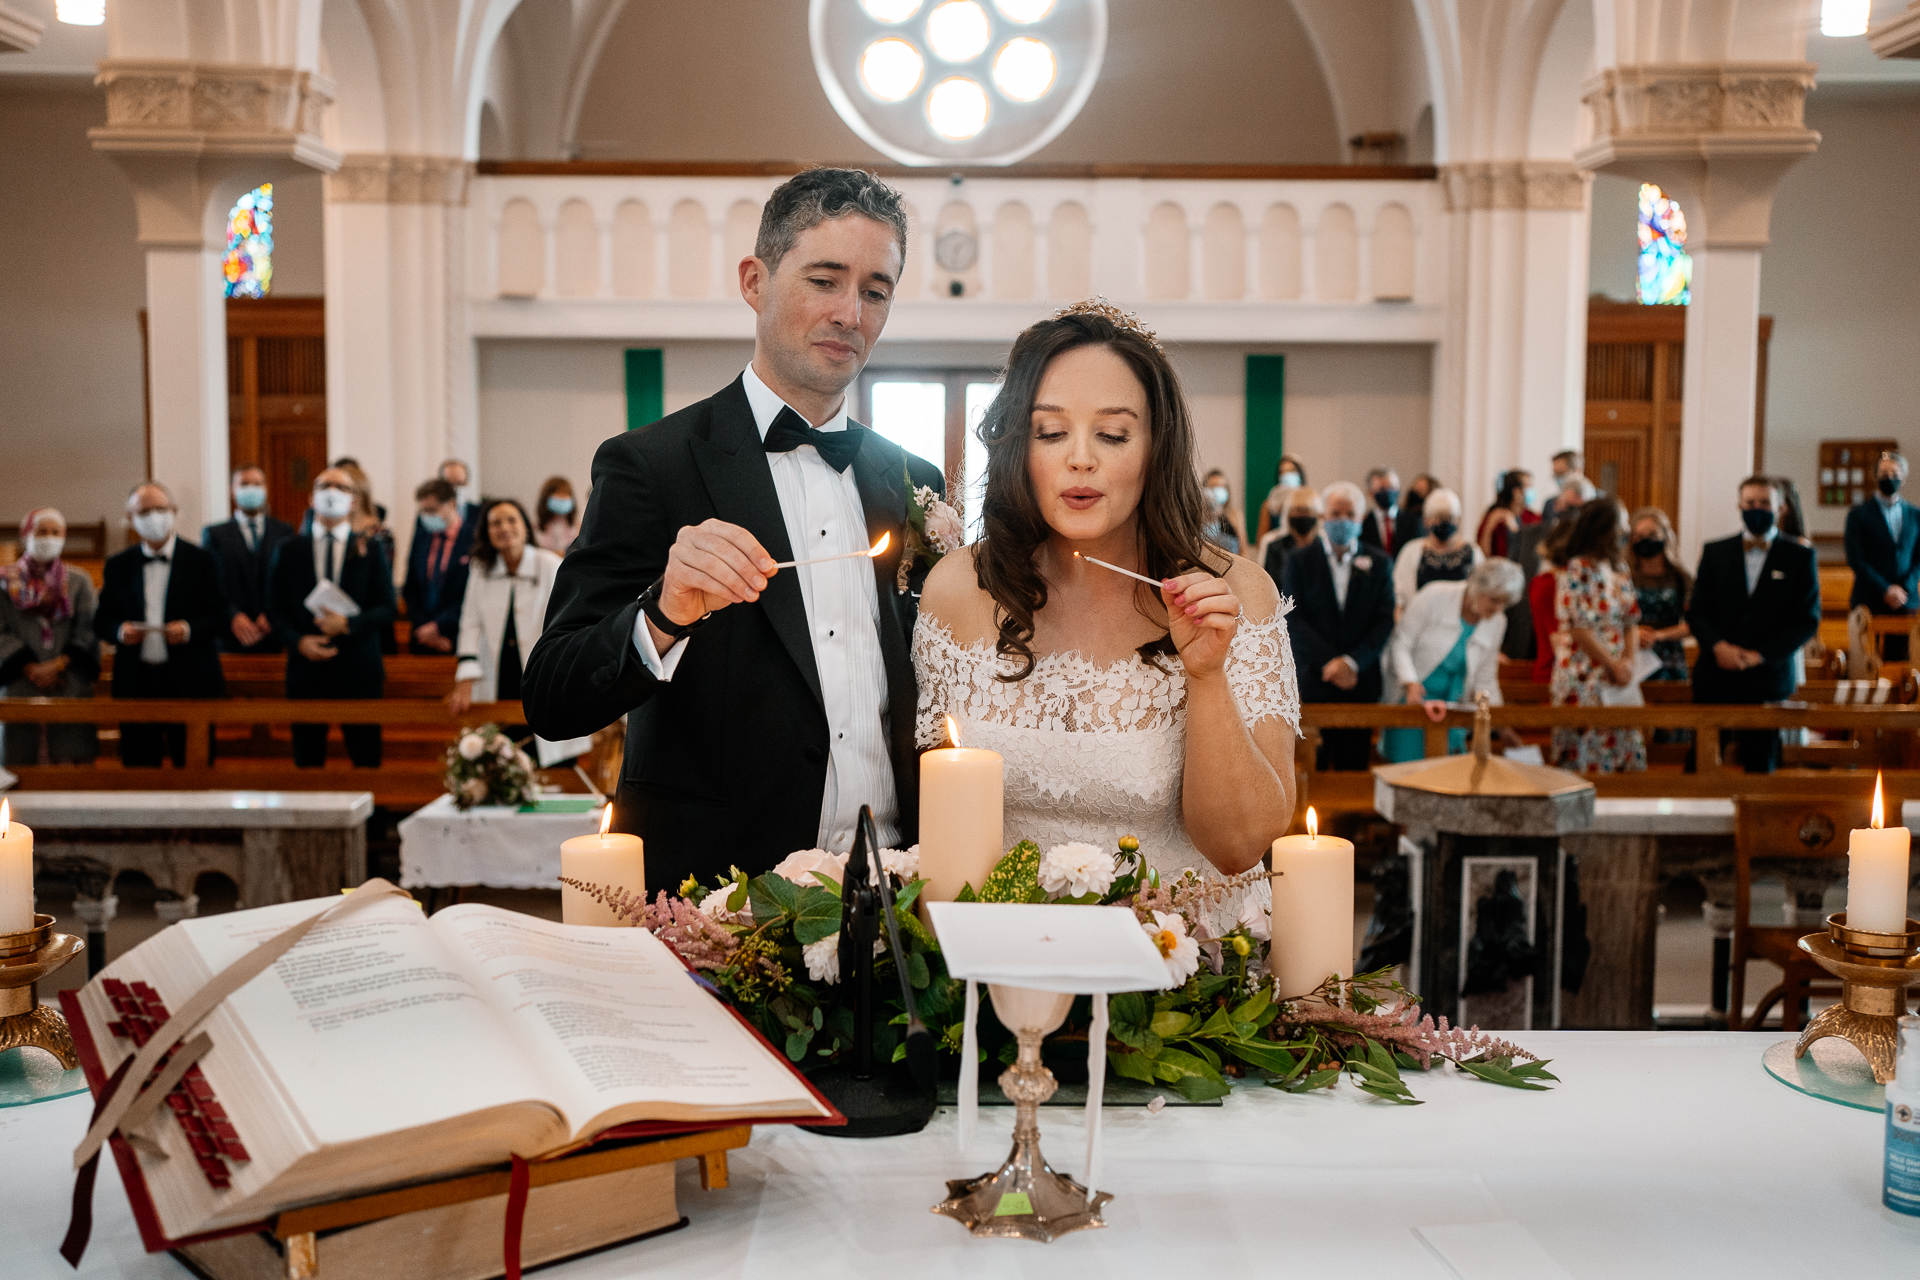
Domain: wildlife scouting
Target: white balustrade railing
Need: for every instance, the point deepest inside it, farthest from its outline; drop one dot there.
(1219, 260)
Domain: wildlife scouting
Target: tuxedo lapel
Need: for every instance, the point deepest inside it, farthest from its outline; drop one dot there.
(733, 466)
(879, 472)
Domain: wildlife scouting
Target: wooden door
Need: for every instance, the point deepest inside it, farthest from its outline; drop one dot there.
(277, 394)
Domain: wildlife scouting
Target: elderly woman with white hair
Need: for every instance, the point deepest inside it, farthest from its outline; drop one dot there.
(1447, 649)
(1445, 554)
(47, 646)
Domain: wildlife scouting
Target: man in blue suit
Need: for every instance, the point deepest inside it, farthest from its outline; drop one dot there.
(1756, 601)
(1342, 589)
(437, 568)
(1883, 549)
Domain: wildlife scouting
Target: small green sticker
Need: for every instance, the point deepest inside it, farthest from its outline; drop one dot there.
(1013, 1202)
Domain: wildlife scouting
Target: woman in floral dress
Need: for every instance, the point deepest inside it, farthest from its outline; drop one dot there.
(1597, 642)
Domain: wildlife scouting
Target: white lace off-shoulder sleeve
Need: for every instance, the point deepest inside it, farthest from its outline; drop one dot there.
(1260, 670)
(936, 670)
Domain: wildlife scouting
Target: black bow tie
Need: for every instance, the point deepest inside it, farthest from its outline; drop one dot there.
(154, 559)
(789, 431)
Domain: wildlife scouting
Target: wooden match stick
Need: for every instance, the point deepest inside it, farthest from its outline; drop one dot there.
(872, 552)
(1140, 577)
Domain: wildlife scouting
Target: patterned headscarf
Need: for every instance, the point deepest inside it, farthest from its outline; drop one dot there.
(40, 589)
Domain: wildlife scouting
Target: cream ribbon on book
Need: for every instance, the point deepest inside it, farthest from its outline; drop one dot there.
(130, 1104)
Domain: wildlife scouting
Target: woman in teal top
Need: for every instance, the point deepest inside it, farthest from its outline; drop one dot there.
(1447, 649)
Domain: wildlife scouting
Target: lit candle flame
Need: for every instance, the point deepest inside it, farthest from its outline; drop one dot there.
(879, 548)
(953, 732)
(1879, 804)
(1313, 824)
(606, 819)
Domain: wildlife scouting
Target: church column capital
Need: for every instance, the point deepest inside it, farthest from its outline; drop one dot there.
(379, 178)
(1514, 184)
(1718, 135)
(198, 109)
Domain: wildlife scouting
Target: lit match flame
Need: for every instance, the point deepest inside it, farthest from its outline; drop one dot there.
(606, 819)
(1313, 824)
(1879, 805)
(953, 732)
(879, 548)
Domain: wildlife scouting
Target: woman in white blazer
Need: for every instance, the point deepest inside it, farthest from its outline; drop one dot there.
(507, 587)
(1447, 649)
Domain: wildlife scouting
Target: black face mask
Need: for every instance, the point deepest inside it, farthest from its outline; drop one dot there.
(1385, 498)
(1759, 520)
(1301, 525)
(1889, 485)
(1648, 548)
(1444, 530)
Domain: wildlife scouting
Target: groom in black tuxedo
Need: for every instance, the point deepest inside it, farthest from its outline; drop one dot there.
(764, 705)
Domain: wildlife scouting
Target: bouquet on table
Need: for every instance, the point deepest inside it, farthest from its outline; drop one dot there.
(769, 945)
(485, 767)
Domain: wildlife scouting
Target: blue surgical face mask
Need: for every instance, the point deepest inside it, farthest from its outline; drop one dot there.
(560, 506)
(1340, 532)
(433, 523)
(1531, 496)
(1289, 479)
(1220, 495)
(250, 497)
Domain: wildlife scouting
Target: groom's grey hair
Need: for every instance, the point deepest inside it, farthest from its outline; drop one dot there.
(808, 199)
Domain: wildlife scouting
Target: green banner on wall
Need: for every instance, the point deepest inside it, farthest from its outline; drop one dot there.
(1266, 432)
(646, 386)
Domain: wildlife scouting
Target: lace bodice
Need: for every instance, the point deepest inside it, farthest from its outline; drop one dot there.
(1094, 752)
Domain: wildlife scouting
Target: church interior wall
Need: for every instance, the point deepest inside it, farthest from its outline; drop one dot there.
(689, 82)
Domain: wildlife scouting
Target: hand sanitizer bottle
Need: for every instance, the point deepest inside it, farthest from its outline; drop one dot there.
(1901, 1190)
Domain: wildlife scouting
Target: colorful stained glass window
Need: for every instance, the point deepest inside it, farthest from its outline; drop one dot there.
(249, 262)
(1666, 272)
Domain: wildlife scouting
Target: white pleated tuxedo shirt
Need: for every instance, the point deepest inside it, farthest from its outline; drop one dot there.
(824, 517)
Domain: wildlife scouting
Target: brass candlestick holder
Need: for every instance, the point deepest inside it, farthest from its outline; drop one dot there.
(1875, 970)
(1024, 1198)
(25, 958)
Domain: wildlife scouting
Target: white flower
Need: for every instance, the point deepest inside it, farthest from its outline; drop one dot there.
(714, 905)
(471, 746)
(505, 750)
(902, 863)
(823, 958)
(1256, 912)
(1182, 953)
(1070, 870)
(798, 867)
(474, 789)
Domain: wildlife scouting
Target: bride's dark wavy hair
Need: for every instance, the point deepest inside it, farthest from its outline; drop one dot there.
(1172, 515)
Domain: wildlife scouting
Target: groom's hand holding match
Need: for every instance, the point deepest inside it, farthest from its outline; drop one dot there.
(711, 565)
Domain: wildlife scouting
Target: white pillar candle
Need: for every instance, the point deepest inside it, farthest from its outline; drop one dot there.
(1312, 910)
(962, 832)
(16, 873)
(1877, 868)
(612, 860)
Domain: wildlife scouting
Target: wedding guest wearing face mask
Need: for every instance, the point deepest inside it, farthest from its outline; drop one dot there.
(437, 569)
(1508, 515)
(1446, 648)
(331, 654)
(243, 547)
(1411, 520)
(160, 602)
(1383, 510)
(1225, 528)
(1663, 590)
(1756, 601)
(1299, 526)
(1566, 467)
(47, 646)
(1883, 548)
(1342, 589)
(1445, 554)
(558, 515)
(1289, 476)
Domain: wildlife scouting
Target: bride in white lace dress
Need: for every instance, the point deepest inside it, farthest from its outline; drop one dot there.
(1170, 715)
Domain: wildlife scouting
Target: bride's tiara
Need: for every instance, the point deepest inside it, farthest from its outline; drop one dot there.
(1099, 306)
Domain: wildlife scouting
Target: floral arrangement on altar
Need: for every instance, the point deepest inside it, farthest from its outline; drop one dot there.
(769, 945)
(485, 767)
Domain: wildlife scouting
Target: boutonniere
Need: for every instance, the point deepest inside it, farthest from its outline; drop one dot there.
(934, 529)
(1363, 563)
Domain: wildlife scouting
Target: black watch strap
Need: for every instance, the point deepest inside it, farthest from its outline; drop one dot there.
(650, 605)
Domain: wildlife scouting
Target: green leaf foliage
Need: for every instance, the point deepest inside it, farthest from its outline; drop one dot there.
(816, 915)
(1016, 877)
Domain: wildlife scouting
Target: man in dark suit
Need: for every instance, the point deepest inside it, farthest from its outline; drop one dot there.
(764, 707)
(331, 654)
(160, 603)
(1756, 601)
(437, 568)
(1883, 550)
(243, 547)
(1383, 491)
(1342, 589)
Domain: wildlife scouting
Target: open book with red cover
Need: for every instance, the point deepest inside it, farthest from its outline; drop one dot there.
(388, 1048)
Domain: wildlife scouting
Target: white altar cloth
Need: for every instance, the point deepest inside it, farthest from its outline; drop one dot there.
(493, 845)
(1662, 1154)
